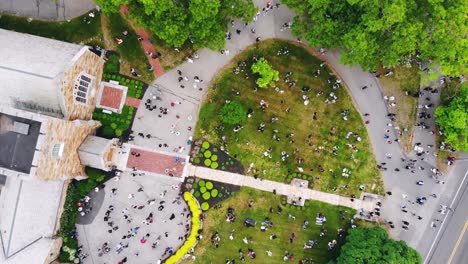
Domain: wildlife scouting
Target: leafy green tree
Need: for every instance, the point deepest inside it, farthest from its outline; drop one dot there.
(204, 22)
(372, 245)
(268, 75)
(233, 113)
(453, 120)
(384, 32)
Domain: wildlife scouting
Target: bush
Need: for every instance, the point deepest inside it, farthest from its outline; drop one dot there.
(195, 185)
(220, 195)
(214, 157)
(205, 206)
(196, 160)
(118, 132)
(207, 162)
(233, 113)
(268, 76)
(206, 196)
(113, 125)
(205, 145)
(197, 193)
(203, 189)
(207, 154)
(214, 165)
(209, 185)
(214, 193)
(201, 183)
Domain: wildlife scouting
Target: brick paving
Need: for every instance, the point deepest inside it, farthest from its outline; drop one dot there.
(133, 102)
(146, 45)
(155, 162)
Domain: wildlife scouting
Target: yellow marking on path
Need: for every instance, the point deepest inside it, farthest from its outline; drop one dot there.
(458, 242)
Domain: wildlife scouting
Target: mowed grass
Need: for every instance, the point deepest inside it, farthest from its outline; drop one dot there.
(406, 79)
(78, 30)
(283, 227)
(249, 145)
(131, 53)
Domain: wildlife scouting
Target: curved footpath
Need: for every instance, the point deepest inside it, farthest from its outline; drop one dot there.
(177, 126)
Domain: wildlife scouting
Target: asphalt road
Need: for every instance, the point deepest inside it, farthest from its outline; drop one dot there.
(451, 242)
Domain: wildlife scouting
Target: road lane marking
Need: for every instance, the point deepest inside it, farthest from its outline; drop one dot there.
(443, 221)
(458, 243)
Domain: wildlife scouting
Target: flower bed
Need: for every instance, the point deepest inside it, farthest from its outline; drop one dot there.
(208, 155)
(136, 89)
(210, 193)
(114, 125)
(192, 238)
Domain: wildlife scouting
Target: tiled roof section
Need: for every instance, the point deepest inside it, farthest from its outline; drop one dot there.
(71, 134)
(156, 163)
(91, 64)
(111, 97)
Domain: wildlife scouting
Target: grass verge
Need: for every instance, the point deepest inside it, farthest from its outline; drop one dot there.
(131, 53)
(311, 147)
(403, 85)
(82, 29)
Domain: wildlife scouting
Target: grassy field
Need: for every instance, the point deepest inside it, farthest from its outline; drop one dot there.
(406, 79)
(313, 139)
(83, 29)
(131, 53)
(283, 227)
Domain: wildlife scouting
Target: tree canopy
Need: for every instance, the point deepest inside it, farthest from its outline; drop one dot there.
(233, 113)
(453, 120)
(384, 32)
(372, 245)
(268, 75)
(204, 22)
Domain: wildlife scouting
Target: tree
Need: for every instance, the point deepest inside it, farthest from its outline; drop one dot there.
(203, 22)
(233, 113)
(268, 75)
(384, 32)
(453, 120)
(372, 245)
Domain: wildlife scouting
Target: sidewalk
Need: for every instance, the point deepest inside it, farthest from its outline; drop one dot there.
(280, 188)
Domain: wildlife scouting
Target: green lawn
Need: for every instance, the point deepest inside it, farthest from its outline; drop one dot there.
(78, 30)
(114, 125)
(249, 145)
(283, 227)
(132, 54)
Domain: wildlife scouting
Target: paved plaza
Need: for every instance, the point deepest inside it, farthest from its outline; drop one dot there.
(136, 217)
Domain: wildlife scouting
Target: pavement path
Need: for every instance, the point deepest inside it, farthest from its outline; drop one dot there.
(289, 190)
(47, 9)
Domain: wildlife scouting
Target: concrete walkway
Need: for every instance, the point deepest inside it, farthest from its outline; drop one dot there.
(289, 190)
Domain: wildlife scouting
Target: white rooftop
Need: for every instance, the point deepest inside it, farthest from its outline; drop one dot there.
(35, 55)
(28, 213)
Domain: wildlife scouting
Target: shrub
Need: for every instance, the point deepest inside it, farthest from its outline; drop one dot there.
(214, 165)
(202, 150)
(195, 185)
(207, 162)
(214, 157)
(203, 189)
(201, 183)
(196, 160)
(214, 193)
(205, 145)
(118, 132)
(114, 125)
(206, 196)
(215, 150)
(207, 154)
(268, 76)
(197, 193)
(233, 113)
(220, 195)
(209, 185)
(205, 206)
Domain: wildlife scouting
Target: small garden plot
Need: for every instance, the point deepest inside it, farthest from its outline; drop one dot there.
(209, 155)
(115, 125)
(209, 193)
(136, 89)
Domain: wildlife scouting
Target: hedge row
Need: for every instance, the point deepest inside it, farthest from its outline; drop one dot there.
(192, 238)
